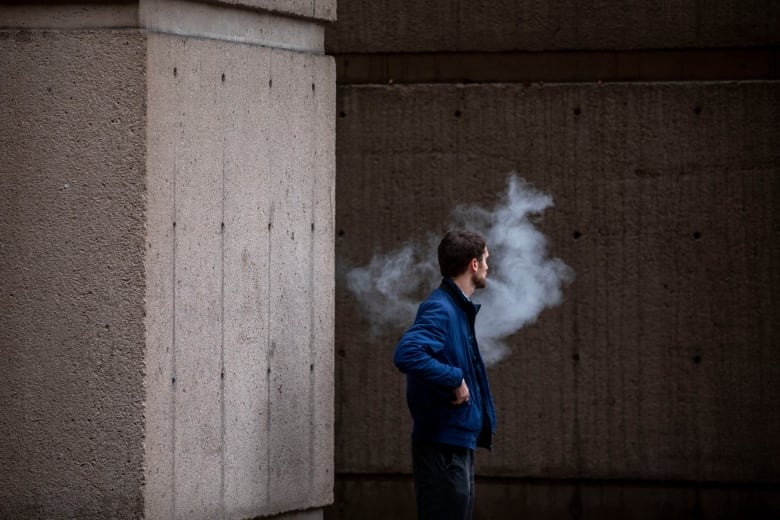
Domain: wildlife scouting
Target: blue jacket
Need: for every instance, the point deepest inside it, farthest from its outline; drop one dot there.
(436, 354)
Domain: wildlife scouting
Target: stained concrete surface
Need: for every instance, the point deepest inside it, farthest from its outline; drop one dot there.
(368, 26)
(659, 363)
(654, 128)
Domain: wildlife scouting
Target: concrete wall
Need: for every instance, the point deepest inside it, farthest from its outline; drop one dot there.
(167, 259)
(654, 384)
(73, 107)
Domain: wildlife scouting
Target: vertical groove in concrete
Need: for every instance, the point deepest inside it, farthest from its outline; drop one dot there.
(312, 199)
(222, 334)
(174, 367)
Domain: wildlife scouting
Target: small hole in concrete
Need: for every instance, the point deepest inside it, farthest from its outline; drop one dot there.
(696, 235)
(342, 114)
(576, 356)
(173, 380)
(697, 359)
(174, 224)
(311, 368)
(270, 83)
(223, 78)
(576, 235)
(341, 232)
(312, 226)
(457, 113)
(269, 226)
(222, 375)
(175, 72)
(577, 111)
(697, 110)
(313, 87)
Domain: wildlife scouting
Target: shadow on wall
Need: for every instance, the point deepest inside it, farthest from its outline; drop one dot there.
(392, 498)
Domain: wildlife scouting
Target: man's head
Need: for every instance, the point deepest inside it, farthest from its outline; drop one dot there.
(462, 252)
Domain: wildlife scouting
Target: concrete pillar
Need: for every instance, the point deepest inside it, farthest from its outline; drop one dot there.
(167, 259)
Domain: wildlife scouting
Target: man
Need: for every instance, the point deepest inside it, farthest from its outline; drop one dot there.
(447, 386)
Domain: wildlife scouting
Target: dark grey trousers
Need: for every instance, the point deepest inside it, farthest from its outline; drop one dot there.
(443, 481)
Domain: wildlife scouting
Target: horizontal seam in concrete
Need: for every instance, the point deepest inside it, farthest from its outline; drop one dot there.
(559, 66)
(601, 482)
(543, 84)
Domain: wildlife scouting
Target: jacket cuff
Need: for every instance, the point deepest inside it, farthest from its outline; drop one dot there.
(457, 377)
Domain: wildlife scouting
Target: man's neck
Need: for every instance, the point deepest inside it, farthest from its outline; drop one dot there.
(465, 283)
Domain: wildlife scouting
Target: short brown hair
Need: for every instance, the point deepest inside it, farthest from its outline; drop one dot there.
(457, 249)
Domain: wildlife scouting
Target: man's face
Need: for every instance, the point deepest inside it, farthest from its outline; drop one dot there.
(479, 277)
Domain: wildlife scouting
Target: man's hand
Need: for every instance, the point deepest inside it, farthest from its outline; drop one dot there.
(461, 393)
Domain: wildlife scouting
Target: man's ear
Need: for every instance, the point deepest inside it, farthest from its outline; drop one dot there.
(474, 264)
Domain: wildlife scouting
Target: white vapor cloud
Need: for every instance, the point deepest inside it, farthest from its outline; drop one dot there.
(522, 280)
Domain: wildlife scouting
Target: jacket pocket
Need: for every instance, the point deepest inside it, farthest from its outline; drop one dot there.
(465, 416)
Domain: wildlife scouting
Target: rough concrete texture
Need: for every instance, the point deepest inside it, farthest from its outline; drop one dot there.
(240, 280)
(389, 25)
(71, 274)
(498, 499)
(660, 364)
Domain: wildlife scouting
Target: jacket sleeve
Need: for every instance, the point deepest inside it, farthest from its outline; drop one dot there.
(415, 352)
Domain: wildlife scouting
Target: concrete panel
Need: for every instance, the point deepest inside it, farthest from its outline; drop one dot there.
(391, 26)
(159, 499)
(659, 363)
(245, 170)
(323, 288)
(71, 274)
(198, 196)
(245, 103)
(291, 273)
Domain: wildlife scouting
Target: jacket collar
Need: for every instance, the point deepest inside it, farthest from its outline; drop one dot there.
(458, 297)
